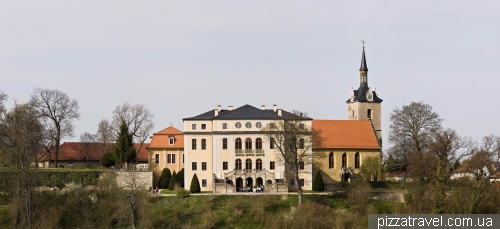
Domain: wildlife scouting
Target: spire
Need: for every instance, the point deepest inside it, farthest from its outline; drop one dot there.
(363, 59)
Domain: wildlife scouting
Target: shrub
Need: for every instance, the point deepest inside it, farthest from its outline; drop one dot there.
(173, 181)
(318, 184)
(164, 178)
(107, 160)
(195, 185)
(180, 178)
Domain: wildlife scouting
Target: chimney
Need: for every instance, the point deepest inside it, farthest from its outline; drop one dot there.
(216, 112)
(218, 108)
(275, 107)
(263, 107)
(279, 112)
(230, 108)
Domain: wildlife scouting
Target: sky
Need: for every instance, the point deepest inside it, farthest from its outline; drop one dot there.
(183, 58)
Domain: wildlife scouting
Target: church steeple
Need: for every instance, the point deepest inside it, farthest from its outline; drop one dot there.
(363, 70)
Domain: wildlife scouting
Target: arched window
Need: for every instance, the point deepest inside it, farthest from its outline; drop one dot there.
(237, 144)
(344, 160)
(248, 143)
(258, 143)
(248, 164)
(237, 164)
(258, 164)
(356, 160)
(301, 143)
(330, 160)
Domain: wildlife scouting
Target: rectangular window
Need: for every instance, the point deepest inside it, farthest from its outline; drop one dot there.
(157, 158)
(193, 145)
(173, 158)
(301, 182)
(203, 144)
(171, 141)
(224, 165)
(271, 143)
(204, 166)
(203, 126)
(169, 158)
(301, 143)
(301, 126)
(182, 158)
(224, 143)
(271, 125)
(272, 165)
(369, 113)
(203, 182)
(193, 126)
(292, 181)
(224, 126)
(194, 166)
(301, 165)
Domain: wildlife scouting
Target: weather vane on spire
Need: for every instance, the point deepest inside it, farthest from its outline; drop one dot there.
(363, 41)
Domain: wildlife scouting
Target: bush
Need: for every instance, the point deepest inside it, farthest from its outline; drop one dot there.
(195, 185)
(318, 183)
(164, 178)
(51, 178)
(180, 178)
(107, 160)
(173, 181)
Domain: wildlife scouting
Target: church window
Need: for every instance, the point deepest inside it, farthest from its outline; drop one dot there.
(224, 143)
(344, 160)
(369, 113)
(330, 160)
(356, 160)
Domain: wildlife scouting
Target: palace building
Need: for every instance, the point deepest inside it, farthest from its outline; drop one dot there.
(229, 149)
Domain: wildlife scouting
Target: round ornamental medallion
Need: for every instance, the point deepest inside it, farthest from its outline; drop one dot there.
(237, 125)
(248, 125)
(258, 125)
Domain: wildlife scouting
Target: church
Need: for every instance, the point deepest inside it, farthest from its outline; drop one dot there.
(229, 149)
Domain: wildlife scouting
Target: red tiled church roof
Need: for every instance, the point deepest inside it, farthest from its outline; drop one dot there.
(346, 134)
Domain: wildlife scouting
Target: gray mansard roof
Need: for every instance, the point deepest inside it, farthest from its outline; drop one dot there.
(245, 112)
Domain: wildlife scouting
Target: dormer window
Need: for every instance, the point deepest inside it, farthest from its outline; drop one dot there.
(171, 140)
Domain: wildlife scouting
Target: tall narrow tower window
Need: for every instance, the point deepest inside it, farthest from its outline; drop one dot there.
(369, 113)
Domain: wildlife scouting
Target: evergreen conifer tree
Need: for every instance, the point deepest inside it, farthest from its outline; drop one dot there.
(195, 185)
(180, 178)
(124, 150)
(107, 160)
(318, 183)
(173, 181)
(164, 178)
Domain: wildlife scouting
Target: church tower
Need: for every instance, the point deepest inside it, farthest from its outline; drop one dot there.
(364, 103)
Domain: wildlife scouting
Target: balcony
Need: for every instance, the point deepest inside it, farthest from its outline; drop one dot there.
(249, 152)
(259, 152)
(239, 152)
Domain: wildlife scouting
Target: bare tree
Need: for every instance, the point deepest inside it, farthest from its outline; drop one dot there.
(60, 110)
(105, 135)
(87, 146)
(3, 97)
(137, 118)
(294, 139)
(20, 133)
